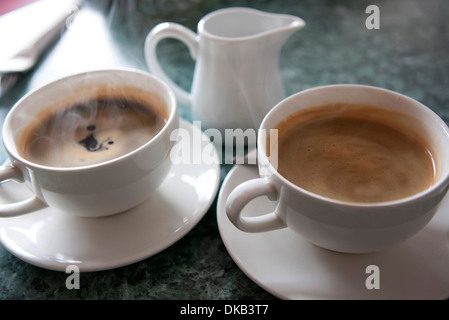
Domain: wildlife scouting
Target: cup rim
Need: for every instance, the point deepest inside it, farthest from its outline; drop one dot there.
(261, 152)
(7, 136)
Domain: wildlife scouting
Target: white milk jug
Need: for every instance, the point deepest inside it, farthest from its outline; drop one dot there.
(237, 78)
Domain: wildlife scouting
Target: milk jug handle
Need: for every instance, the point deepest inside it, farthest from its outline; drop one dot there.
(178, 32)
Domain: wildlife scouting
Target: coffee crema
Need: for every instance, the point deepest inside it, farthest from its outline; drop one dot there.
(91, 131)
(354, 153)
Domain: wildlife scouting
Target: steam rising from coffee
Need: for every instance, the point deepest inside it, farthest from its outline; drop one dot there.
(92, 130)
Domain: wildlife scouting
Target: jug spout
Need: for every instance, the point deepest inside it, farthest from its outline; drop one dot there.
(238, 23)
(276, 23)
(286, 23)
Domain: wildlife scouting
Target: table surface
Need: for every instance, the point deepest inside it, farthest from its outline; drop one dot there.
(408, 54)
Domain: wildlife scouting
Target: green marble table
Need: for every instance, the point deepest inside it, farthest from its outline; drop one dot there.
(408, 54)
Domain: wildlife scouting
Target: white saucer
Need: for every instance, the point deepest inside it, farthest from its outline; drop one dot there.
(289, 267)
(54, 240)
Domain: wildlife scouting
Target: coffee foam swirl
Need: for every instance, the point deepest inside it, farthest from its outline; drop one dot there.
(353, 153)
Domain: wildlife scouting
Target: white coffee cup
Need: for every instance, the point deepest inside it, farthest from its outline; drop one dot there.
(339, 225)
(95, 190)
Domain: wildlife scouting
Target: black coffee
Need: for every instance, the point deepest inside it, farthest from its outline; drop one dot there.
(91, 131)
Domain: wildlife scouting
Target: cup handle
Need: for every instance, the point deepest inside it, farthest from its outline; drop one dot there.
(8, 172)
(242, 195)
(176, 31)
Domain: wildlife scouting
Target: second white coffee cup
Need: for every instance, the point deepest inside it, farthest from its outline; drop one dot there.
(337, 225)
